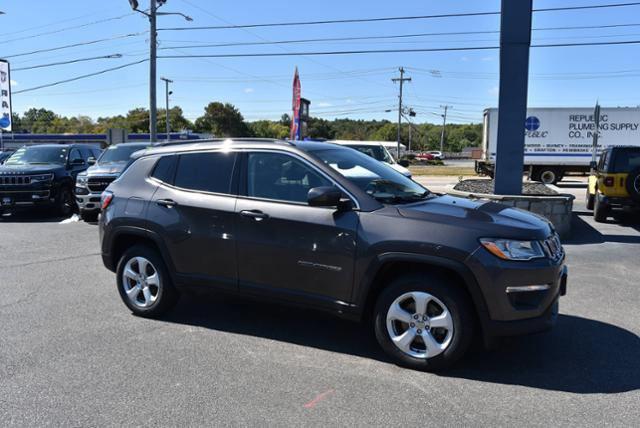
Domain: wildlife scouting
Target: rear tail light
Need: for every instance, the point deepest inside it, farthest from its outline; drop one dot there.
(105, 200)
(608, 181)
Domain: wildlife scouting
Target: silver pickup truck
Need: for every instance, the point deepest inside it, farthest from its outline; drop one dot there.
(91, 183)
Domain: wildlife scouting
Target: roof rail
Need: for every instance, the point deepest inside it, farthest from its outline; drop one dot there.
(220, 140)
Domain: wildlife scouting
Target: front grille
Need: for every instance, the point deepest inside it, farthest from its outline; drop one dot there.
(15, 180)
(99, 184)
(553, 247)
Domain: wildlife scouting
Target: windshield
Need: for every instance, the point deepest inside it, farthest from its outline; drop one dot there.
(379, 153)
(35, 155)
(377, 179)
(119, 153)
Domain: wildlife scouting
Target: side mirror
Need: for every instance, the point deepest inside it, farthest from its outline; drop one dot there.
(91, 161)
(77, 162)
(404, 163)
(325, 196)
(593, 165)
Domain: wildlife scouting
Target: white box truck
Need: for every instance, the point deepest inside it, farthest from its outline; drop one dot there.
(559, 140)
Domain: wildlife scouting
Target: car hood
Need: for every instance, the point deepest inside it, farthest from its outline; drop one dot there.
(29, 169)
(488, 219)
(107, 169)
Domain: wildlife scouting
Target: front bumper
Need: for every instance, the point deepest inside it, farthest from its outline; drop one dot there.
(87, 201)
(14, 200)
(520, 297)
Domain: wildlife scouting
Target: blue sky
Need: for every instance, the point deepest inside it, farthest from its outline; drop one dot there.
(338, 86)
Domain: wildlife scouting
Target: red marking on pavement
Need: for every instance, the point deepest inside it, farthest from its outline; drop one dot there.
(311, 404)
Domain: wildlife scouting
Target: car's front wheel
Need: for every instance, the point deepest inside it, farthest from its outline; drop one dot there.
(144, 283)
(423, 322)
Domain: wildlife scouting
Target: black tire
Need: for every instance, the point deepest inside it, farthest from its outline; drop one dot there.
(600, 211)
(589, 200)
(455, 300)
(65, 204)
(167, 295)
(89, 216)
(547, 175)
(633, 184)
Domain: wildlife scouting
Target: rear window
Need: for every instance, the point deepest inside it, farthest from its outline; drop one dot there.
(208, 172)
(626, 160)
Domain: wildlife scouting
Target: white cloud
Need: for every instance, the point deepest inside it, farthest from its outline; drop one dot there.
(487, 58)
(349, 101)
(465, 59)
(324, 104)
(494, 91)
(248, 90)
(14, 83)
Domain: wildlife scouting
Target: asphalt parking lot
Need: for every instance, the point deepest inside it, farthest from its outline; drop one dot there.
(71, 354)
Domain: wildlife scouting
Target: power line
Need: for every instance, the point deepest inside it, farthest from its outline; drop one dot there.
(73, 61)
(61, 30)
(395, 18)
(84, 76)
(375, 51)
(90, 42)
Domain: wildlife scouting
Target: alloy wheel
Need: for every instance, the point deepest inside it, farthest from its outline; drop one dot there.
(141, 282)
(419, 324)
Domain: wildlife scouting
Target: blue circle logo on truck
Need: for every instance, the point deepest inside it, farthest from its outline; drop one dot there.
(532, 123)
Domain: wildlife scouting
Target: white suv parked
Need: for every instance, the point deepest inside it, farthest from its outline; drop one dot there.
(378, 151)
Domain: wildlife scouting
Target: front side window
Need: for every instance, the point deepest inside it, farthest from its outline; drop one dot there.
(378, 180)
(75, 155)
(379, 153)
(37, 155)
(281, 177)
(207, 172)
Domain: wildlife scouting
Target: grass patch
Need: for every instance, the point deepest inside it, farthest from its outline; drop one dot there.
(442, 170)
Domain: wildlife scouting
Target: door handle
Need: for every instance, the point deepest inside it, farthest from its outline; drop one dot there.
(257, 215)
(169, 203)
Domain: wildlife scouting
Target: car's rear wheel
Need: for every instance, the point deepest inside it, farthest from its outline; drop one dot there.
(144, 283)
(89, 216)
(589, 200)
(600, 211)
(547, 175)
(423, 322)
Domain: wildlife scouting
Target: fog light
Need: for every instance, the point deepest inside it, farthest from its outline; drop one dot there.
(527, 288)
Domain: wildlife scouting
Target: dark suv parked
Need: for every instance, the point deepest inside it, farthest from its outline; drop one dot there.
(327, 227)
(43, 176)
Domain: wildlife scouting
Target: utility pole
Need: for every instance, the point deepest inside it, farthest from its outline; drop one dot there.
(153, 106)
(152, 15)
(444, 124)
(401, 79)
(167, 93)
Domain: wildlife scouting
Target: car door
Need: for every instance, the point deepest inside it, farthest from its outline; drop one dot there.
(285, 246)
(77, 163)
(193, 211)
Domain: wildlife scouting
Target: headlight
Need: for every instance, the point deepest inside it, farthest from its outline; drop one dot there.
(82, 180)
(41, 177)
(508, 249)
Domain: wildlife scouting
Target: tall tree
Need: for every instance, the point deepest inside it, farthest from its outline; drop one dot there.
(222, 120)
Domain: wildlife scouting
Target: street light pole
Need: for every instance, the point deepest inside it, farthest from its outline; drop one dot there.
(152, 15)
(401, 79)
(444, 124)
(167, 93)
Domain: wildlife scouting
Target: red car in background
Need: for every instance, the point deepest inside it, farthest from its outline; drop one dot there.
(425, 156)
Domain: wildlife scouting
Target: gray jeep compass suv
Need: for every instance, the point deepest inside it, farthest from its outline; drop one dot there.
(327, 227)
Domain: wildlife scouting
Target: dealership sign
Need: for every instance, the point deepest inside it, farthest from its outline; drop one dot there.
(5, 96)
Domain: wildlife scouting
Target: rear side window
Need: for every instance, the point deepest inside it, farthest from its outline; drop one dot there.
(164, 169)
(626, 160)
(208, 172)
